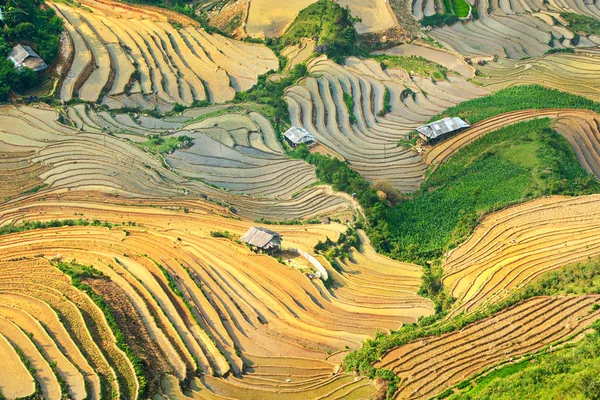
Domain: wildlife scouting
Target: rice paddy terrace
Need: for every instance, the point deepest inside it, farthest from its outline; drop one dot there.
(47, 155)
(122, 273)
(363, 134)
(192, 301)
(575, 73)
(511, 29)
(513, 246)
(129, 57)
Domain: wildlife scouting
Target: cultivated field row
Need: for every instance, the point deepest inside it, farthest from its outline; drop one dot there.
(196, 302)
(572, 73)
(41, 151)
(135, 61)
(513, 246)
(365, 135)
(429, 365)
(516, 29)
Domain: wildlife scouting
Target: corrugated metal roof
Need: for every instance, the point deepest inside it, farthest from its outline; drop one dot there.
(261, 237)
(24, 56)
(1, 17)
(299, 135)
(442, 127)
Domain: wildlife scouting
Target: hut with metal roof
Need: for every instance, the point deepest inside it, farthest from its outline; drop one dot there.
(299, 135)
(438, 130)
(24, 56)
(262, 239)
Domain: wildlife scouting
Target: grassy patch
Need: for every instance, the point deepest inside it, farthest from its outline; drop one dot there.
(439, 20)
(349, 102)
(387, 105)
(416, 65)
(521, 161)
(461, 8)
(161, 145)
(582, 23)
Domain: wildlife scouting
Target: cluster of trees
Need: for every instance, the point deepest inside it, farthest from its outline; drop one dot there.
(32, 23)
(270, 93)
(331, 25)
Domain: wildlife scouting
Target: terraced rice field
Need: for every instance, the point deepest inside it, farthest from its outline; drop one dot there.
(429, 365)
(511, 29)
(46, 154)
(572, 73)
(231, 151)
(127, 58)
(511, 247)
(370, 143)
(265, 326)
(579, 127)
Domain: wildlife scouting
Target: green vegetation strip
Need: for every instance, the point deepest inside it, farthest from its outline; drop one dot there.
(413, 64)
(160, 145)
(55, 223)
(516, 98)
(461, 8)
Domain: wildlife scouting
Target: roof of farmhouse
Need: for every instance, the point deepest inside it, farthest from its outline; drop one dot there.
(24, 56)
(261, 237)
(442, 127)
(299, 135)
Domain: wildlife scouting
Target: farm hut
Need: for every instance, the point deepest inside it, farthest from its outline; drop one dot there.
(299, 135)
(441, 129)
(262, 239)
(24, 56)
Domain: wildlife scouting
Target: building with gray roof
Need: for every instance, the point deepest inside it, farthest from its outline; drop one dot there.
(24, 56)
(299, 135)
(437, 130)
(262, 238)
